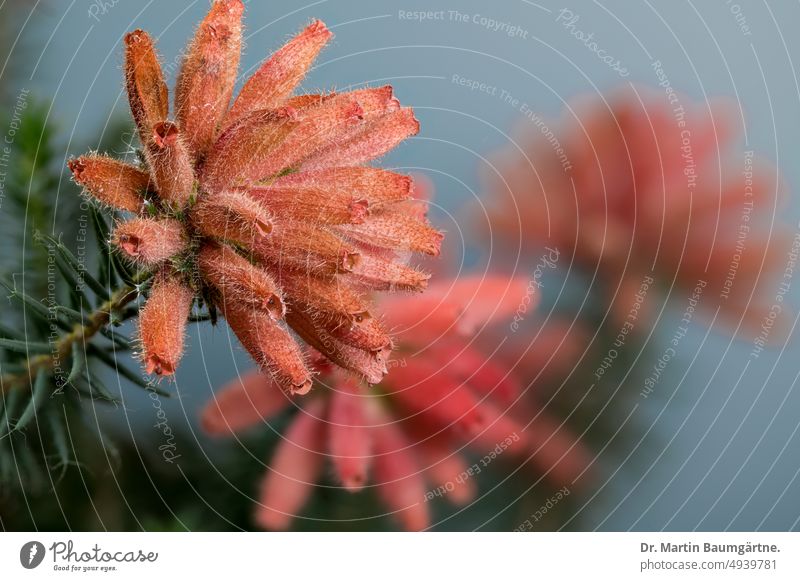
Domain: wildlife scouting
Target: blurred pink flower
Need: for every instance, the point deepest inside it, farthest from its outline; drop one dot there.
(645, 182)
(408, 436)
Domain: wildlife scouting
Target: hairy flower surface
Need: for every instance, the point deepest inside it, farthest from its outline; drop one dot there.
(416, 435)
(641, 183)
(261, 204)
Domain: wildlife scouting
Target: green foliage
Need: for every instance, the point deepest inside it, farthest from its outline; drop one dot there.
(57, 327)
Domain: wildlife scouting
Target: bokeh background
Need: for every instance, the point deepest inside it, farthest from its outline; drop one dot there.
(716, 446)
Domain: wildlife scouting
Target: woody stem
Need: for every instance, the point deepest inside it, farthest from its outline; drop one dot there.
(62, 348)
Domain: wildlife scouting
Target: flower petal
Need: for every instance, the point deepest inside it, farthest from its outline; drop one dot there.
(294, 469)
(270, 345)
(313, 205)
(376, 273)
(147, 92)
(112, 182)
(162, 323)
(243, 146)
(317, 127)
(422, 388)
(239, 280)
(448, 470)
(373, 140)
(391, 228)
(208, 74)
(368, 364)
(241, 403)
(466, 304)
(349, 436)
(377, 186)
(278, 77)
(328, 299)
(169, 160)
(306, 248)
(148, 241)
(398, 477)
(232, 216)
(485, 375)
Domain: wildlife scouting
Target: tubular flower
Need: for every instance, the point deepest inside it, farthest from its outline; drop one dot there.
(261, 203)
(641, 184)
(410, 436)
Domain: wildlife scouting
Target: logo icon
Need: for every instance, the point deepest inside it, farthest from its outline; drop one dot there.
(31, 554)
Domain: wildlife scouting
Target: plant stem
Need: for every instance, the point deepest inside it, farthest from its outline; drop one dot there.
(81, 333)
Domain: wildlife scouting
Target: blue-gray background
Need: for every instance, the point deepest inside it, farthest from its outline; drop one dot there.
(724, 452)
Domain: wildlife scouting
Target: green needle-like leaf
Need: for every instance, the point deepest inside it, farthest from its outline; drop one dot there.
(39, 394)
(24, 346)
(100, 290)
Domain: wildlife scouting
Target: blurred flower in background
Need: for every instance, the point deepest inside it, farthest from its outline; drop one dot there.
(410, 437)
(644, 182)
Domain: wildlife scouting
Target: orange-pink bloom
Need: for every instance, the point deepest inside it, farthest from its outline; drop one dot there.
(261, 204)
(407, 436)
(639, 183)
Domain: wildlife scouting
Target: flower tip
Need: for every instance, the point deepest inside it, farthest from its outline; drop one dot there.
(274, 306)
(359, 210)
(376, 373)
(165, 134)
(354, 482)
(434, 248)
(235, 7)
(414, 122)
(263, 227)
(350, 260)
(354, 112)
(362, 317)
(130, 244)
(476, 424)
(463, 494)
(302, 389)
(272, 520)
(318, 27)
(211, 421)
(77, 167)
(135, 37)
(392, 103)
(418, 281)
(158, 366)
